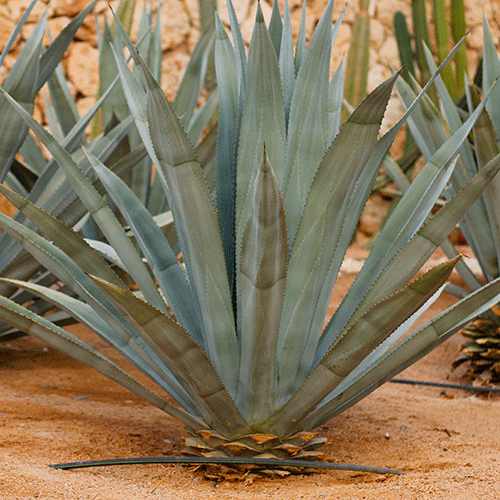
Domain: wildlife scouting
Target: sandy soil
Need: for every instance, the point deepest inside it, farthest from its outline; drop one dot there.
(53, 410)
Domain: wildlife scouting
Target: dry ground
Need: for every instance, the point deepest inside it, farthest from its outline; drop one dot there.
(53, 409)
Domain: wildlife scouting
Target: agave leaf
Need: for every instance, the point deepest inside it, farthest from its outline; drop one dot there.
(32, 156)
(463, 269)
(29, 53)
(202, 119)
(263, 118)
(358, 56)
(201, 242)
(276, 27)
(491, 71)
(227, 144)
(69, 273)
(366, 180)
(335, 101)
(239, 44)
(69, 241)
(396, 233)
(310, 101)
(286, 62)
(425, 124)
(486, 147)
(182, 355)
(300, 48)
(352, 214)
(101, 213)
(49, 180)
(427, 239)
(162, 260)
(452, 115)
(17, 30)
(478, 234)
(107, 252)
(52, 122)
(22, 267)
(58, 198)
(131, 349)
(125, 13)
(263, 265)
(405, 49)
(407, 352)
(54, 53)
(191, 84)
(38, 327)
(320, 227)
(348, 351)
(21, 81)
(137, 102)
(115, 104)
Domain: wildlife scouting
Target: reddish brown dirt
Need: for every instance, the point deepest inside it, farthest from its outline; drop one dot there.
(53, 409)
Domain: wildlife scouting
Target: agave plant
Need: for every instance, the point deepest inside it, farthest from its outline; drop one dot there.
(118, 145)
(231, 328)
(480, 225)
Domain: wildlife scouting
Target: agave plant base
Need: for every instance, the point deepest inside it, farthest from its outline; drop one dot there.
(301, 446)
(481, 351)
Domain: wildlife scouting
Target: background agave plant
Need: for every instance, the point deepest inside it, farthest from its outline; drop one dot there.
(430, 127)
(114, 139)
(415, 68)
(232, 327)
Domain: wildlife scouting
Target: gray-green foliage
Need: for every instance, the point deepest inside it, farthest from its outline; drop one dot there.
(241, 347)
(118, 145)
(431, 127)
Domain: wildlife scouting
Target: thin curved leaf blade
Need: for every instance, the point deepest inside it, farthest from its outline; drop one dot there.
(21, 318)
(64, 237)
(263, 119)
(413, 255)
(182, 355)
(162, 260)
(101, 213)
(408, 351)
(227, 145)
(357, 342)
(308, 124)
(131, 349)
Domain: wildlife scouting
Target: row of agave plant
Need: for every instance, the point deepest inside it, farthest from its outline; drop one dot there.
(226, 313)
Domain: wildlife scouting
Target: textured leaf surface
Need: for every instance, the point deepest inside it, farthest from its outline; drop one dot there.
(352, 347)
(407, 352)
(264, 256)
(101, 213)
(162, 260)
(320, 227)
(68, 240)
(182, 355)
(198, 228)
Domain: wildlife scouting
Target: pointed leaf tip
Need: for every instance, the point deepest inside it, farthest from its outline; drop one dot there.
(220, 31)
(259, 18)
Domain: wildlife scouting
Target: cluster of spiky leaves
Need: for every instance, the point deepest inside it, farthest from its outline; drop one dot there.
(234, 332)
(481, 224)
(114, 140)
